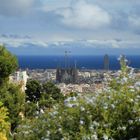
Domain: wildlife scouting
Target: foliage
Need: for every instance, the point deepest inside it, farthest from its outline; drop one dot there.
(8, 63)
(33, 91)
(113, 113)
(41, 97)
(13, 99)
(50, 90)
(51, 95)
(4, 124)
(30, 109)
(10, 94)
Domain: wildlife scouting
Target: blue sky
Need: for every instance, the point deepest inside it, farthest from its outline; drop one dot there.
(42, 21)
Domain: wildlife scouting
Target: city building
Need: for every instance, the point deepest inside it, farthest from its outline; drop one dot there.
(20, 77)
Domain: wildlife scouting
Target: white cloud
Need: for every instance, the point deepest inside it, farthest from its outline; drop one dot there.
(15, 7)
(84, 15)
(19, 41)
(89, 45)
(114, 43)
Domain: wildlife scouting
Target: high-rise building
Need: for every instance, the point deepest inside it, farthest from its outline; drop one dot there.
(106, 62)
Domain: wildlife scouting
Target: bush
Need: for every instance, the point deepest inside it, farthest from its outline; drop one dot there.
(113, 113)
(13, 99)
(8, 63)
(4, 124)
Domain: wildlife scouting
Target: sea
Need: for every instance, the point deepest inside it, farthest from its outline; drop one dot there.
(95, 62)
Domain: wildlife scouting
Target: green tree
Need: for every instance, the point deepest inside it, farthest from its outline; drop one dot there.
(30, 109)
(33, 91)
(50, 90)
(33, 96)
(8, 64)
(50, 95)
(10, 94)
(13, 98)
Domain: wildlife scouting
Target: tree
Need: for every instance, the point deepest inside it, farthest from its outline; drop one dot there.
(33, 91)
(8, 64)
(39, 97)
(50, 90)
(13, 99)
(50, 95)
(4, 124)
(10, 94)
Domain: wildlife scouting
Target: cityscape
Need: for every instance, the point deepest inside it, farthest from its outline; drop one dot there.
(70, 78)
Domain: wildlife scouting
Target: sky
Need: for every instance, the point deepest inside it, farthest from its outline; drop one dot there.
(39, 22)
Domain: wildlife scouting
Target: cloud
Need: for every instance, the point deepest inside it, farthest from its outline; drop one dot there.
(114, 44)
(134, 21)
(20, 41)
(119, 20)
(62, 20)
(84, 15)
(15, 7)
(86, 47)
(28, 46)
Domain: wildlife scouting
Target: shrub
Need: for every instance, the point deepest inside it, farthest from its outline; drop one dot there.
(4, 124)
(113, 113)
